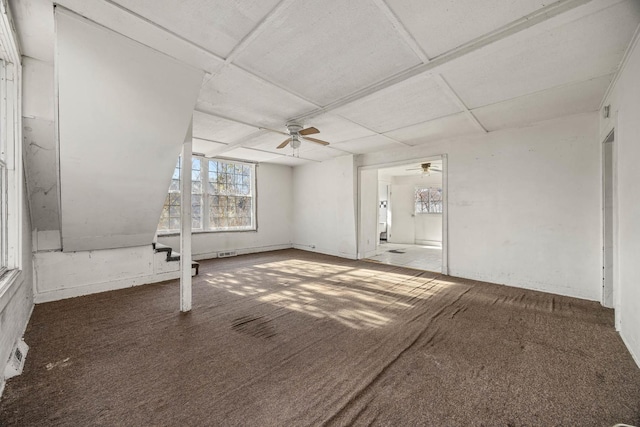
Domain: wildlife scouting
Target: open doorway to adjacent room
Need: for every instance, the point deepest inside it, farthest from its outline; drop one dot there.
(410, 211)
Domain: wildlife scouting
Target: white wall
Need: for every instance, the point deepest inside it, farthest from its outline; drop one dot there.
(121, 126)
(275, 218)
(410, 227)
(369, 201)
(40, 154)
(401, 227)
(61, 275)
(524, 205)
(324, 208)
(625, 107)
(383, 213)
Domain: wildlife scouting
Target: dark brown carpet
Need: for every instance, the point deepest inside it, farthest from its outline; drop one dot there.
(291, 338)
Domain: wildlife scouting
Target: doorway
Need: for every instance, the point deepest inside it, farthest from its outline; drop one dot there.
(408, 202)
(607, 218)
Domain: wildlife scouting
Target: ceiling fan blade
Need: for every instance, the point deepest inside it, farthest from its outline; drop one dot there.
(414, 169)
(284, 143)
(309, 131)
(273, 130)
(436, 170)
(317, 141)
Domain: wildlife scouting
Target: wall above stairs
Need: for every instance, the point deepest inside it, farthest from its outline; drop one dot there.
(62, 275)
(123, 112)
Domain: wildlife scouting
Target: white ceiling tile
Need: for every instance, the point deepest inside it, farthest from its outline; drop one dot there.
(368, 144)
(235, 94)
(321, 154)
(413, 101)
(327, 49)
(216, 25)
(439, 26)
(241, 153)
(442, 128)
(208, 148)
(536, 60)
(572, 99)
(266, 141)
(215, 128)
(334, 128)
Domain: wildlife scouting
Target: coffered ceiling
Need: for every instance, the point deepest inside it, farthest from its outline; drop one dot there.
(369, 74)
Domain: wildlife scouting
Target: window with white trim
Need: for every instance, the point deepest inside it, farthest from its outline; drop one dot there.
(3, 217)
(10, 171)
(222, 197)
(428, 200)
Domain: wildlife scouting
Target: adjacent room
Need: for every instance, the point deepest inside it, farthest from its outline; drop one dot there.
(319, 212)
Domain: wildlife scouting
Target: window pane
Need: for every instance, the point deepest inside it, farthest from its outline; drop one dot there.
(174, 223)
(227, 188)
(164, 223)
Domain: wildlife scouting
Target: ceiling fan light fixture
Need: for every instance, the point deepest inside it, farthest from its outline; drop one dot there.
(295, 141)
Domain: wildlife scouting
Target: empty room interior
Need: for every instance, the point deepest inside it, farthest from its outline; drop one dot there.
(319, 212)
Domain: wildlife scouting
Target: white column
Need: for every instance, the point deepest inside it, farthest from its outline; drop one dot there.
(185, 223)
(445, 214)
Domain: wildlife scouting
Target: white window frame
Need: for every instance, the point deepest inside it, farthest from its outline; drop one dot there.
(204, 178)
(428, 212)
(12, 184)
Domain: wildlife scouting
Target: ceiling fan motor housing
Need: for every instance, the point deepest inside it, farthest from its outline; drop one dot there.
(294, 128)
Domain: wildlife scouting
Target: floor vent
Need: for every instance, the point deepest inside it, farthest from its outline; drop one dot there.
(227, 254)
(16, 361)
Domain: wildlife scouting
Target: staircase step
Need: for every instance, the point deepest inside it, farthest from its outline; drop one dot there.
(159, 247)
(173, 256)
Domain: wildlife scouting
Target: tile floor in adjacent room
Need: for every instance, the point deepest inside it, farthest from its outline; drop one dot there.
(415, 256)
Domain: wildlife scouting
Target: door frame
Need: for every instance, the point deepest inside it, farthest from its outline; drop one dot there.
(612, 175)
(361, 238)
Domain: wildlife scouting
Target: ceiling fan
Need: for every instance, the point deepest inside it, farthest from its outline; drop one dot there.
(426, 168)
(297, 134)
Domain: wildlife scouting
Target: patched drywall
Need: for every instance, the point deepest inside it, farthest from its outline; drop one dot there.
(524, 205)
(324, 207)
(40, 156)
(121, 126)
(60, 275)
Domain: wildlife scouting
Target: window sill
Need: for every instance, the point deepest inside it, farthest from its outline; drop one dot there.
(177, 233)
(6, 282)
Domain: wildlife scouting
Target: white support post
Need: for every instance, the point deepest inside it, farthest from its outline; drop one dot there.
(185, 223)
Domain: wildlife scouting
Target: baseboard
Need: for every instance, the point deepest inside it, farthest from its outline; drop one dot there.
(436, 243)
(324, 251)
(241, 251)
(634, 356)
(95, 288)
(532, 286)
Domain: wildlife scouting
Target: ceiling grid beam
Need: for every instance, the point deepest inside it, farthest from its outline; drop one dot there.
(401, 30)
(225, 61)
(258, 29)
(446, 87)
(541, 15)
